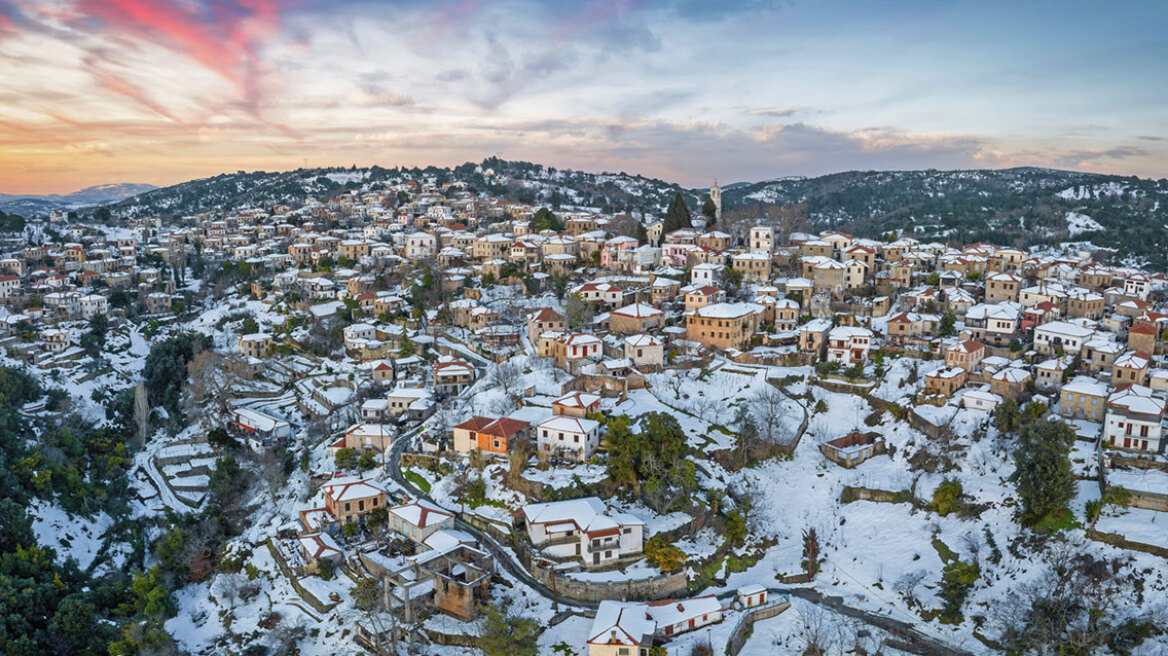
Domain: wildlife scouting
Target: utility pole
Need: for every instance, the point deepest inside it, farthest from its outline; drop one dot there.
(555, 591)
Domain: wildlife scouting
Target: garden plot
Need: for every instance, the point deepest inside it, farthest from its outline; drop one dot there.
(1135, 524)
(562, 477)
(899, 372)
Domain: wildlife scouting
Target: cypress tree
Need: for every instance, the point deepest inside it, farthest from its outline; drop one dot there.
(677, 216)
(1043, 474)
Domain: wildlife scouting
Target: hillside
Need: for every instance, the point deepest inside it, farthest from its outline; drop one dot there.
(523, 181)
(1022, 206)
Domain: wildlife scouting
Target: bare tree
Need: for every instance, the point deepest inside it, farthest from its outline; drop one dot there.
(907, 585)
(1077, 605)
(973, 541)
(508, 375)
(578, 312)
(675, 381)
(814, 627)
(517, 457)
(770, 406)
(271, 469)
(371, 597)
(317, 429)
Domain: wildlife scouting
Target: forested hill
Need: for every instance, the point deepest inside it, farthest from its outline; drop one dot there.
(521, 181)
(1021, 206)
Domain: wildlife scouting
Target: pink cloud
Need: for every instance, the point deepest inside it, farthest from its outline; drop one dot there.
(227, 41)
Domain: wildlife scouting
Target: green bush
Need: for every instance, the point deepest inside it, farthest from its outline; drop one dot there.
(947, 497)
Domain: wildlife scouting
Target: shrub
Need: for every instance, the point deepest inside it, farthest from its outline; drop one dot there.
(957, 581)
(947, 497)
(663, 555)
(325, 569)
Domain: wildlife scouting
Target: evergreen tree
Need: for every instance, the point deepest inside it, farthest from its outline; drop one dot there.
(710, 211)
(677, 216)
(545, 219)
(505, 634)
(1042, 474)
(948, 325)
(957, 581)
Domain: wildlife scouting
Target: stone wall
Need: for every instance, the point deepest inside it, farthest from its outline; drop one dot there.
(308, 597)
(1115, 539)
(662, 586)
(746, 623)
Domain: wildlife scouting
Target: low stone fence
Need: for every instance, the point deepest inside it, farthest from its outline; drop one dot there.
(925, 426)
(452, 639)
(851, 494)
(308, 597)
(1117, 540)
(842, 386)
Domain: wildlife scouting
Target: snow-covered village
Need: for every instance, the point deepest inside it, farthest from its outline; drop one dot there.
(591, 328)
(408, 417)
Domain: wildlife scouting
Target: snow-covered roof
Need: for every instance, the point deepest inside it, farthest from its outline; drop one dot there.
(351, 489)
(421, 513)
(1136, 399)
(1085, 385)
(588, 514)
(569, 424)
(728, 310)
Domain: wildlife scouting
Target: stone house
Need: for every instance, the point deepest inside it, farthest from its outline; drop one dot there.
(635, 318)
(945, 381)
(1010, 382)
(1083, 397)
(852, 449)
(1130, 368)
(966, 354)
(645, 350)
(723, 325)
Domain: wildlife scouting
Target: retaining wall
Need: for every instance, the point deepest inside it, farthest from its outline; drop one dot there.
(746, 623)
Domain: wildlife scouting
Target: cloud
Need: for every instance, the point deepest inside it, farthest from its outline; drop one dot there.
(1150, 137)
(224, 37)
(1085, 158)
(505, 75)
(780, 112)
(98, 148)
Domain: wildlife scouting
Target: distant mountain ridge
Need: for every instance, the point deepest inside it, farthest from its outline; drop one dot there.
(35, 204)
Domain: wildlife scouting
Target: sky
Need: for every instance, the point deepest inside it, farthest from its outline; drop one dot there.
(154, 91)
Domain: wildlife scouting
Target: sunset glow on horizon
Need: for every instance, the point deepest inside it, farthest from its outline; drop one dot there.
(106, 91)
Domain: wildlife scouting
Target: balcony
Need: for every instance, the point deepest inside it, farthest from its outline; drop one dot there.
(555, 542)
(594, 547)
